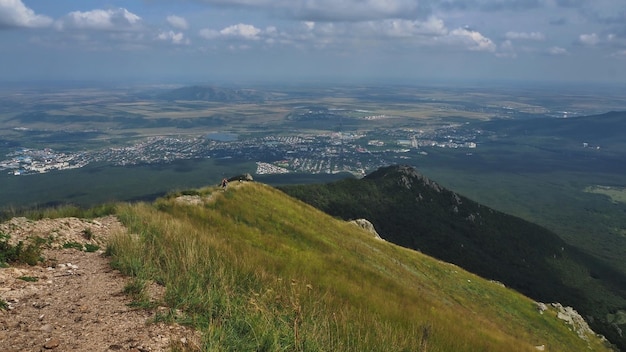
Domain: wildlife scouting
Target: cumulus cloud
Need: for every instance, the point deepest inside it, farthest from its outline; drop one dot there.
(173, 37)
(525, 35)
(399, 34)
(245, 31)
(473, 40)
(177, 22)
(407, 28)
(589, 39)
(239, 31)
(13, 13)
(113, 19)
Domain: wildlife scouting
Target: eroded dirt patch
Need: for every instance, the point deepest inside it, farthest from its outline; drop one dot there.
(75, 301)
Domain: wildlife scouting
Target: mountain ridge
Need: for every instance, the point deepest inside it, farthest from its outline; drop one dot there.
(408, 209)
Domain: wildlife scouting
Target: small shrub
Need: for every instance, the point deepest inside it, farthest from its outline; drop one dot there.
(136, 290)
(3, 304)
(87, 234)
(29, 254)
(91, 247)
(29, 278)
(74, 245)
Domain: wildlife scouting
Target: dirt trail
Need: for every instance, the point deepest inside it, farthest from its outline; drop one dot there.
(77, 301)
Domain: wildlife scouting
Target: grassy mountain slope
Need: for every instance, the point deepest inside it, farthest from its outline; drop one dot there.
(412, 211)
(256, 270)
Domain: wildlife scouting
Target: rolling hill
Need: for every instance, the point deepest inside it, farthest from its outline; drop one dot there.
(410, 210)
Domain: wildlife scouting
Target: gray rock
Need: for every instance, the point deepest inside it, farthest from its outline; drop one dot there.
(368, 226)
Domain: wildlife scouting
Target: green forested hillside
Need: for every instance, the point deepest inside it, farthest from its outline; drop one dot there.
(256, 270)
(415, 212)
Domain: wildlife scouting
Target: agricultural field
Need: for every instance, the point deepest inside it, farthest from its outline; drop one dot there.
(512, 148)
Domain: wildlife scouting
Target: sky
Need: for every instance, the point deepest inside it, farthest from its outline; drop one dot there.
(346, 41)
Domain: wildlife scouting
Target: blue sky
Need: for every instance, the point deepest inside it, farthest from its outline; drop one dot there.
(313, 40)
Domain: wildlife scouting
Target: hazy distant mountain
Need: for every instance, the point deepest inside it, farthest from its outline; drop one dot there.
(408, 209)
(216, 94)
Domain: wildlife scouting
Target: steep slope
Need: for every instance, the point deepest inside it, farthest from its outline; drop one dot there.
(257, 270)
(410, 210)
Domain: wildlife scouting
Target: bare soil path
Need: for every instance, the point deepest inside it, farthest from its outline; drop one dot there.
(74, 301)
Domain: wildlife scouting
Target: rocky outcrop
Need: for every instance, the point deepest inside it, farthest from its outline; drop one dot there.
(368, 226)
(571, 317)
(243, 177)
(410, 175)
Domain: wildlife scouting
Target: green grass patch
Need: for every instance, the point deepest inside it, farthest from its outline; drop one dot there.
(616, 194)
(20, 253)
(255, 270)
(74, 245)
(29, 278)
(91, 247)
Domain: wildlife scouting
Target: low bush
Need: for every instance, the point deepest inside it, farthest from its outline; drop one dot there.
(20, 253)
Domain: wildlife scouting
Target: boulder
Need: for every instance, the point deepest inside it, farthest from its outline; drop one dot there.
(368, 226)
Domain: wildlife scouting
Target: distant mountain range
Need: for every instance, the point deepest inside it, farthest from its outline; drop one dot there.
(408, 209)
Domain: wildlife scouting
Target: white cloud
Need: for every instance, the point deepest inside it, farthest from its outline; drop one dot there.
(177, 22)
(557, 51)
(13, 13)
(589, 39)
(175, 38)
(507, 49)
(406, 28)
(117, 19)
(473, 40)
(245, 31)
(525, 35)
(240, 31)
